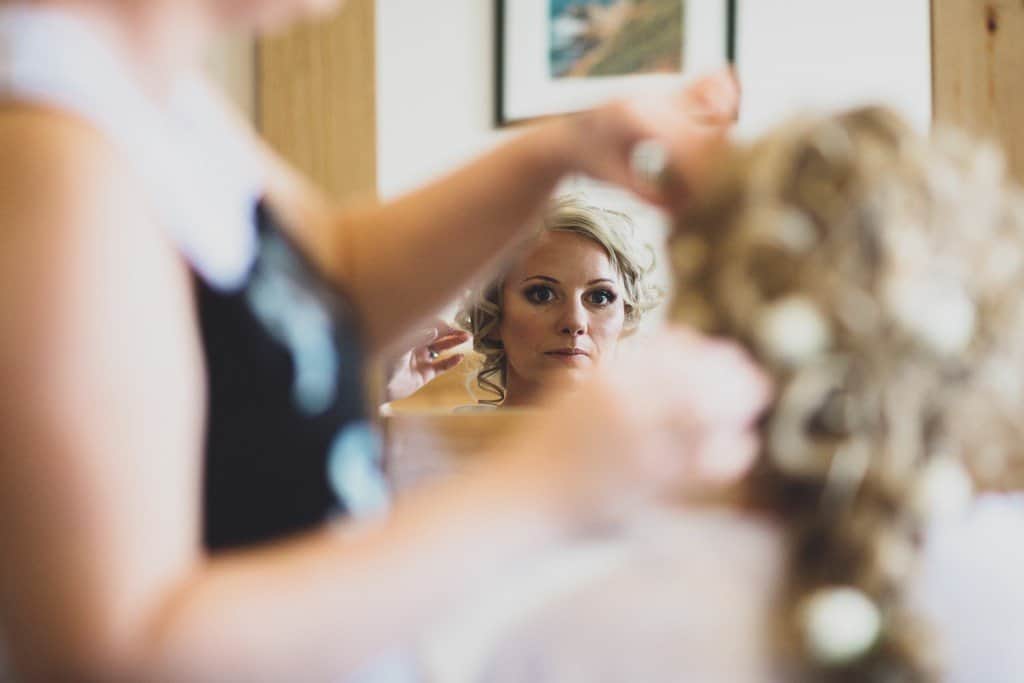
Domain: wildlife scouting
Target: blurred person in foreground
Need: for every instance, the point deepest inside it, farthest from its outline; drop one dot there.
(190, 488)
(878, 277)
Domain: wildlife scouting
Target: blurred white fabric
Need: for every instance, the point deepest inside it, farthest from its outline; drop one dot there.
(688, 597)
(201, 176)
(972, 586)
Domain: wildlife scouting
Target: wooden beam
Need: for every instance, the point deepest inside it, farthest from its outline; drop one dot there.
(978, 70)
(317, 99)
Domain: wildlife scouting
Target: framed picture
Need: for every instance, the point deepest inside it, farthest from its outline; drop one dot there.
(560, 56)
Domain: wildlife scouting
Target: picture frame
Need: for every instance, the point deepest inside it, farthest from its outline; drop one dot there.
(559, 56)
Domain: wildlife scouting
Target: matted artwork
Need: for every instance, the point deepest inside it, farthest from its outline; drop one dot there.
(559, 56)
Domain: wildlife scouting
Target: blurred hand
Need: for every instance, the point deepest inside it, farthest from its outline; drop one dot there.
(426, 360)
(690, 124)
(673, 418)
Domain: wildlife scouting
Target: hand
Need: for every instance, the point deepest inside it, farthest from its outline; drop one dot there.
(690, 125)
(425, 361)
(677, 417)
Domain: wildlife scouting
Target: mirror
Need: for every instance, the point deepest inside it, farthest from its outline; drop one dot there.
(835, 54)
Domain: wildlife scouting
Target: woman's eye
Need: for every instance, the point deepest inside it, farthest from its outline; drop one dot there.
(602, 297)
(539, 294)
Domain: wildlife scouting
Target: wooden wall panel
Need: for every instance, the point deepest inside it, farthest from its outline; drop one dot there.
(978, 70)
(232, 64)
(317, 99)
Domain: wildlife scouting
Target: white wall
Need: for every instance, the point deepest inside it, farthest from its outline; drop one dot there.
(435, 93)
(435, 99)
(435, 78)
(797, 54)
(435, 67)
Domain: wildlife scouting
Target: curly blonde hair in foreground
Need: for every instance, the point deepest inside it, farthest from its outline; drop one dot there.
(879, 278)
(481, 312)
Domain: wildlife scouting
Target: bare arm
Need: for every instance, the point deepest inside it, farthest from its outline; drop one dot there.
(104, 576)
(100, 469)
(100, 380)
(405, 259)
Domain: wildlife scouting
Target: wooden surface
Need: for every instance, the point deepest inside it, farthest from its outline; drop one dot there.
(232, 64)
(978, 70)
(317, 99)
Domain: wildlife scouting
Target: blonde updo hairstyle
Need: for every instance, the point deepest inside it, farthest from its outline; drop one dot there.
(481, 312)
(879, 278)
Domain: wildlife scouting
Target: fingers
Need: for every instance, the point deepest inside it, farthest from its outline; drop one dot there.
(437, 328)
(433, 342)
(674, 418)
(698, 398)
(729, 388)
(445, 364)
(690, 125)
(724, 456)
(442, 328)
(450, 340)
(445, 328)
(714, 98)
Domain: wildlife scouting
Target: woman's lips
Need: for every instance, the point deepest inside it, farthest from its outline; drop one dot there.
(568, 355)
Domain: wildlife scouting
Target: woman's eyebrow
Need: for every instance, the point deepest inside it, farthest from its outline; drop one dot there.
(601, 279)
(542, 277)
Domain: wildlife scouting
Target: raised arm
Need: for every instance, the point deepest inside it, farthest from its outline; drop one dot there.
(405, 259)
(103, 574)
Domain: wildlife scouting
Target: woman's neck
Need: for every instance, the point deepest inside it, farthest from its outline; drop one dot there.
(159, 40)
(520, 393)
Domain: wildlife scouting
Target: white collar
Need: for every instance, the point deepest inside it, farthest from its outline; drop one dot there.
(200, 172)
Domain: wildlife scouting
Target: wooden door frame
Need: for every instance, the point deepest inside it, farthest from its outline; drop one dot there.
(977, 71)
(316, 99)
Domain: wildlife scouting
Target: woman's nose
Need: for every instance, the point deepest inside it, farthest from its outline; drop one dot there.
(574, 322)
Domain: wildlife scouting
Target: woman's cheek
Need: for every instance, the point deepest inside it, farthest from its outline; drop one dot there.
(607, 331)
(519, 330)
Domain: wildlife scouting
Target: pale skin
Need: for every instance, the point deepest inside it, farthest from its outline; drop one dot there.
(562, 315)
(102, 422)
(427, 359)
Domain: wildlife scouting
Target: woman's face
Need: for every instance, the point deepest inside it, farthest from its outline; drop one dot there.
(563, 312)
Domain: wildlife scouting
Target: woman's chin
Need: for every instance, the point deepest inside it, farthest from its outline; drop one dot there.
(567, 376)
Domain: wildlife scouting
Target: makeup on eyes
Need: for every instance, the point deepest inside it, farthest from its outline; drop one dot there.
(610, 295)
(534, 294)
(537, 293)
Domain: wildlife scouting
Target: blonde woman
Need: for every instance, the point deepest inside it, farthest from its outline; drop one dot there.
(189, 485)
(879, 279)
(559, 309)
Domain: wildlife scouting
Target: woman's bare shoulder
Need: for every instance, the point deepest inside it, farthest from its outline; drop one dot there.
(84, 267)
(49, 133)
(54, 164)
(72, 209)
(101, 383)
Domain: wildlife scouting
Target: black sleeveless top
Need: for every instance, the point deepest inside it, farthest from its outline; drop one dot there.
(288, 442)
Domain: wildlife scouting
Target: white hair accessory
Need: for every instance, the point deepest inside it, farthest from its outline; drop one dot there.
(795, 231)
(937, 311)
(840, 625)
(945, 489)
(792, 330)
